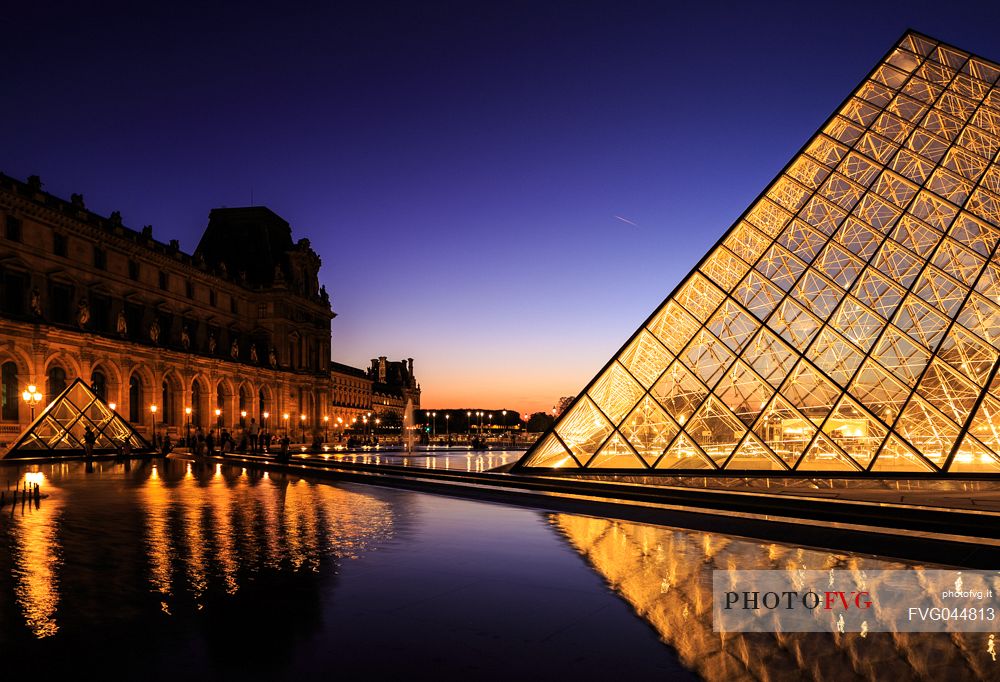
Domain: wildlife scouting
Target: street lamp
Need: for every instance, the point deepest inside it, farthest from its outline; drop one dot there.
(468, 422)
(187, 437)
(32, 397)
(153, 409)
(243, 419)
(284, 418)
(113, 406)
(263, 420)
(365, 420)
(218, 418)
(302, 421)
(434, 424)
(447, 433)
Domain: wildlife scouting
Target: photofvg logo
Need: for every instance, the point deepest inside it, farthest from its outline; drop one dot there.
(788, 600)
(854, 601)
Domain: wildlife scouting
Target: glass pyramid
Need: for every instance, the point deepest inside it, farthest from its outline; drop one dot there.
(60, 428)
(848, 322)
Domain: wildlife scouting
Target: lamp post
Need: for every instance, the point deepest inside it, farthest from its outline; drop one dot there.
(218, 419)
(32, 396)
(447, 433)
(468, 423)
(340, 425)
(365, 430)
(153, 409)
(326, 429)
(187, 428)
(434, 424)
(377, 422)
(489, 424)
(263, 420)
(243, 419)
(284, 418)
(302, 422)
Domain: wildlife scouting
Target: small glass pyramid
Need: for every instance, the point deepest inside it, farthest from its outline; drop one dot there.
(60, 428)
(849, 321)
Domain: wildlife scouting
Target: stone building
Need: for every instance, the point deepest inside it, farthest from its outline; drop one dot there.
(241, 325)
(351, 394)
(393, 383)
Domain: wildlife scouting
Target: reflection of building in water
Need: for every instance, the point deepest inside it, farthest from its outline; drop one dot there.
(211, 526)
(666, 576)
(847, 322)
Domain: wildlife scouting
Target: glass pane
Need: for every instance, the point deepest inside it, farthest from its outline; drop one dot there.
(645, 358)
(648, 429)
(583, 429)
(551, 453)
(616, 392)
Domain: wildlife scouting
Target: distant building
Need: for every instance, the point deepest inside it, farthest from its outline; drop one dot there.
(393, 384)
(240, 325)
(351, 394)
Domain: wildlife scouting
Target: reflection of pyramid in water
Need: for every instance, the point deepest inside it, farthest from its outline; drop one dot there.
(59, 429)
(849, 321)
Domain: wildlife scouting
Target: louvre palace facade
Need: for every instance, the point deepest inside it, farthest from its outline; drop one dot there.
(239, 326)
(848, 322)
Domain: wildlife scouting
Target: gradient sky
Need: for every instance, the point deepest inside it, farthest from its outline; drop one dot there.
(501, 191)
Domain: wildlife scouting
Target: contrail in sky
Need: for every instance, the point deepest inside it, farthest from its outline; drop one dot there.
(625, 220)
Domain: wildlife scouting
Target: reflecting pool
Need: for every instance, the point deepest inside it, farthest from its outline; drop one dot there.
(166, 568)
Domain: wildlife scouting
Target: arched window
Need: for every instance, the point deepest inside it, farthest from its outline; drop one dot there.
(196, 403)
(165, 415)
(220, 403)
(55, 383)
(8, 389)
(135, 400)
(99, 384)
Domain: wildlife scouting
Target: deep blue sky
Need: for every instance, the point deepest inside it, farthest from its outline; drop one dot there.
(459, 166)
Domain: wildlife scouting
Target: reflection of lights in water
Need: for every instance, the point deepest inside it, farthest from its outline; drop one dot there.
(158, 540)
(36, 562)
(232, 527)
(34, 478)
(221, 504)
(194, 540)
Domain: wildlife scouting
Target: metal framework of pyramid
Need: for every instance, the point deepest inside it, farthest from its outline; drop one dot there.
(59, 429)
(848, 322)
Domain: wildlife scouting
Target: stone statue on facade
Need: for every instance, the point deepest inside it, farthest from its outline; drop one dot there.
(272, 357)
(36, 302)
(185, 338)
(83, 313)
(253, 353)
(211, 344)
(234, 350)
(115, 218)
(154, 332)
(122, 325)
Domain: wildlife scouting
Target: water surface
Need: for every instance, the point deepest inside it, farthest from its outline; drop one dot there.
(165, 568)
